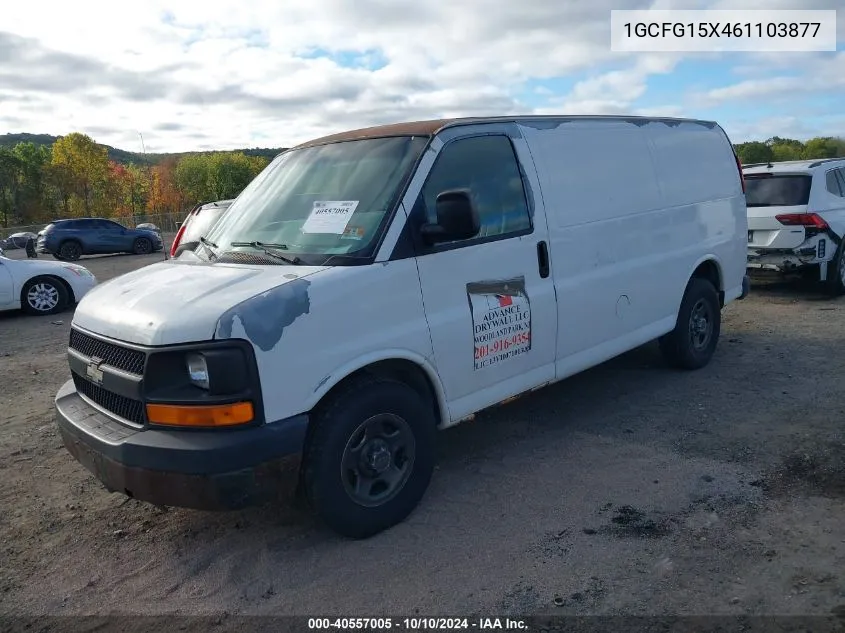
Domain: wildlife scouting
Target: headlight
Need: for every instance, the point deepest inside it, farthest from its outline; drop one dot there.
(198, 370)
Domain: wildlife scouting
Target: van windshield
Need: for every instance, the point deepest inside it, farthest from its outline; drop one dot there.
(322, 202)
(787, 190)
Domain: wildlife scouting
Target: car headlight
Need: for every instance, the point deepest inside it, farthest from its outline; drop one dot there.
(79, 271)
(198, 370)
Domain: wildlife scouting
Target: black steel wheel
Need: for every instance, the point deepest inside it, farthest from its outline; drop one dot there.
(370, 456)
(693, 342)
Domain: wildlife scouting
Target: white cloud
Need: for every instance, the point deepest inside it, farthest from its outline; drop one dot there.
(220, 73)
(821, 74)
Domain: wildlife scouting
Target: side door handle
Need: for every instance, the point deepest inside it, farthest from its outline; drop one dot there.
(543, 259)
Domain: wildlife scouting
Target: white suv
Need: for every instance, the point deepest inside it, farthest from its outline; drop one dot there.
(796, 218)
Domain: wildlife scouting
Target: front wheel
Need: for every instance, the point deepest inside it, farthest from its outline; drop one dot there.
(692, 343)
(43, 295)
(371, 456)
(142, 246)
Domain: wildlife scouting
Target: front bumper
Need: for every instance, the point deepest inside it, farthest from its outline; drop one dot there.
(205, 470)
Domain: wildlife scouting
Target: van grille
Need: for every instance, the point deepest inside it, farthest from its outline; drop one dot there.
(121, 406)
(123, 358)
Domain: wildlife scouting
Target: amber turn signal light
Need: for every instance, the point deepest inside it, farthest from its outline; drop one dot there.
(201, 415)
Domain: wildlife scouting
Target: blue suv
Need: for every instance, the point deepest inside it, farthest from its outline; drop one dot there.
(71, 239)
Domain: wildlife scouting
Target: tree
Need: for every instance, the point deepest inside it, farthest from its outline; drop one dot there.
(33, 160)
(216, 176)
(785, 148)
(164, 194)
(754, 152)
(10, 174)
(821, 147)
(230, 173)
(83, 164)
(192, 177)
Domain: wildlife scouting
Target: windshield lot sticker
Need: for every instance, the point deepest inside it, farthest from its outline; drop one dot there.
(330, 216)
(501, 320)
(353, 233)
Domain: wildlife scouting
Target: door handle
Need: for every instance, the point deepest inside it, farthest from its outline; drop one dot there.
(543, 259)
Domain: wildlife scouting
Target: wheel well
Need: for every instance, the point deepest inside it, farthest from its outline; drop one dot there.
(70, 296)
(709, 270)
(404, 371)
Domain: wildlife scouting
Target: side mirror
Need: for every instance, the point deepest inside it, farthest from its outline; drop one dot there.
(457, 218)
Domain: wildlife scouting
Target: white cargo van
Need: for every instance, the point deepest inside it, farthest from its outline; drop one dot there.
(370, 287)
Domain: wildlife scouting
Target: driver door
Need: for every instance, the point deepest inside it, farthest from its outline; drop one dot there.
(490, 300)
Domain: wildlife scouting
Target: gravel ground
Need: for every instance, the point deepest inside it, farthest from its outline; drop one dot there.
(628, 489)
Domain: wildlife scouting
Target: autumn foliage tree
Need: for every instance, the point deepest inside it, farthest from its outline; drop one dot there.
(164, 194)
(84, 167)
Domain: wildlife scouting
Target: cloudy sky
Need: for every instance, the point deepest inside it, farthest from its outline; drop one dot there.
(203, 74)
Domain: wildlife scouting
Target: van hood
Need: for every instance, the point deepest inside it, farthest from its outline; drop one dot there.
(180, 301)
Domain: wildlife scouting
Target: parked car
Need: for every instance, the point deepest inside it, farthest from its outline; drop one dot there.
(17, 240)
(72, 238)
(149, 226)
(398, 280)
(199, 221)
(796, 218)
(42, 287)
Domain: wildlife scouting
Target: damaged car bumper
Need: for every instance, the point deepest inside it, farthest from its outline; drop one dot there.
(200, 469)
(816, 251)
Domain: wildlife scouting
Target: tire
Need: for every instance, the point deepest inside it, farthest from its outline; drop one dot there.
(333, 464)
(59, 257)
(70, 250)
(44, 295)
(835, 283)
(692, 343)
(142, 246)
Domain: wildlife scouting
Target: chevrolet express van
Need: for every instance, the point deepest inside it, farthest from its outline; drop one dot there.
(371, 287)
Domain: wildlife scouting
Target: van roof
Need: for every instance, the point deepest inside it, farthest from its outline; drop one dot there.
(789, 165)
(432, 126)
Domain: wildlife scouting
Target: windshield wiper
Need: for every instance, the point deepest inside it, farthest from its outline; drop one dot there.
(270, 249)
(211, 246)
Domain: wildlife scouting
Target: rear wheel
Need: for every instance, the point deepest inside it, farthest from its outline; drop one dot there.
(692, 343)
(371, 456)
(44, 295)
(835, 283)
(70, 251)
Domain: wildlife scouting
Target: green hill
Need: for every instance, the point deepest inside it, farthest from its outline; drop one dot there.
(122, 156)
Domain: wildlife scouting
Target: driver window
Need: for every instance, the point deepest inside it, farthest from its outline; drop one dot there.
(486, 165)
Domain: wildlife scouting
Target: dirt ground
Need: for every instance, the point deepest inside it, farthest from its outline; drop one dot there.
(628, 489)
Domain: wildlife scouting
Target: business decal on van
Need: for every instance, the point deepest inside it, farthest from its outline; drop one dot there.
(330, 216)
(501, 320)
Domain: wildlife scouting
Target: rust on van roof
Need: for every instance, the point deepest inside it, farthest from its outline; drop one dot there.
(431, 126)
(410, 128)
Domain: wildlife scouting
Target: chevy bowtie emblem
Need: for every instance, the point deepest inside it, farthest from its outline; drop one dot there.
(93, 371)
